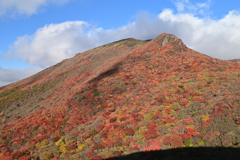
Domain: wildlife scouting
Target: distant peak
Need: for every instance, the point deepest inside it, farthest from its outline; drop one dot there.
(165, 39)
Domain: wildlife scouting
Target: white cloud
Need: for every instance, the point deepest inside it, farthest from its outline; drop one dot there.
(55, 42)
(9, 75)
(51, 44)
(28, 7)
(186, 6)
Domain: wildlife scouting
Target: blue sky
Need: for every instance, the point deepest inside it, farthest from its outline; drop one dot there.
(36, 34)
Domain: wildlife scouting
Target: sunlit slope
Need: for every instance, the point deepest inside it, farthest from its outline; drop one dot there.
(120, 98)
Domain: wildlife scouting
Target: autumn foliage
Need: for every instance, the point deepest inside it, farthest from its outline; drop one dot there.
(120, 98)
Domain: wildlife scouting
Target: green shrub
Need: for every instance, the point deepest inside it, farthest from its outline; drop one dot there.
(203, 131)
(201, 143)
(35, 128)
(188, 142)
(96, 93)
(134, 83)
(94, 132)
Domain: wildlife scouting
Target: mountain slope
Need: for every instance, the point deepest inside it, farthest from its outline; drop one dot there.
(120, 98)
(235, 60)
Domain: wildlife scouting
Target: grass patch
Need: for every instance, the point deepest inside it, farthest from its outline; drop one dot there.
(134, 83)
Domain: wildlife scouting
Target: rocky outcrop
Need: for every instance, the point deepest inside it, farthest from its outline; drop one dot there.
(169, 39)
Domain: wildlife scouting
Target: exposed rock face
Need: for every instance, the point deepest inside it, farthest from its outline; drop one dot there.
(170, 39)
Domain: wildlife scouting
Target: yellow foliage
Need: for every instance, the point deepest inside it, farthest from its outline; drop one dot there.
(148, 116)
(125, 138)
(121, 112)
(106, 153)
(63, 148)
(120, 148)
(191, 84)
(205, 117)
(140, 136)
(167, 124)
(42, 144)
(47, 153)
(167, 107)
(169, 134)
(141, 129)
(190, 126)
(81, 146)
(59, 142)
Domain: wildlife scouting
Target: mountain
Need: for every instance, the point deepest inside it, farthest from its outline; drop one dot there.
(130, 99)
(235, 60)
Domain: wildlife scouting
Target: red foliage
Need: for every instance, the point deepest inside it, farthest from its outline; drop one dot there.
(123, 118)
(129, 131)
(152, 127)
(170, 101)
(188, 121)
(86, 136)
(176, 109)
(73, 146)
(106, 114)
(150, 133)
(97, 147)
(111, 120)
(183, 102)
(191, 131)
(57, 132)
(104, 134)
(152, 148)
(111, 109)
(173, 140)
(205, 124)
(25, 158)
(135, 148)
(90, 154)
(167, 119)
(154, 143)
(155, 116)
(55, 139)
(99, 128)
(168, 111)
(118, 153)
(96, 158)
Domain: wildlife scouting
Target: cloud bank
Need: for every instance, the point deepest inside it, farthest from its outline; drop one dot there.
(26, 7)
(55, 42)
(51, 44)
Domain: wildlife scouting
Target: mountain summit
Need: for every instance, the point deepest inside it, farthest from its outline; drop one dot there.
(130, 99)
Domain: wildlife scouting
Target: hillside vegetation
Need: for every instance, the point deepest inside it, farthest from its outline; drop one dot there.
(126, 97)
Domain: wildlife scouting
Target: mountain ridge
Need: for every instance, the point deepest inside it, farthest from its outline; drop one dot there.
(126, 96)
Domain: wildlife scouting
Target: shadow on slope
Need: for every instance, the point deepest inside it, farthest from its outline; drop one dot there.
(113, 70)
(190, 153)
